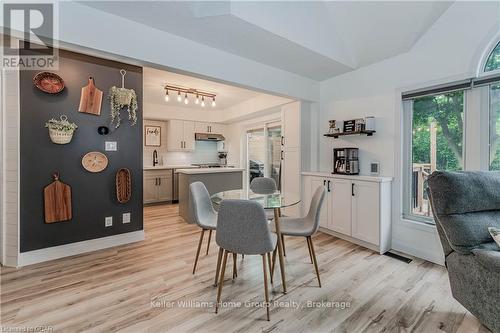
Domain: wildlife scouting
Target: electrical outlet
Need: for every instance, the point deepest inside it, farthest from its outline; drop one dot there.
(126, 218)
(108, 221)
(110, 146)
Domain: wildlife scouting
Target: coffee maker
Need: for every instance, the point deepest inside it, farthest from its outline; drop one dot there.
(345, 161)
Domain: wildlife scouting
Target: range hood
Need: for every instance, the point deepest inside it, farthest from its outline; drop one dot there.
(209, 137)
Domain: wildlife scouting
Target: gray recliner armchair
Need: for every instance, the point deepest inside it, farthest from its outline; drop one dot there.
(464, 205)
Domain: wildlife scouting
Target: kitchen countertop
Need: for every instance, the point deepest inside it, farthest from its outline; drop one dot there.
(377, 179)
(209, 170)
(169, 166)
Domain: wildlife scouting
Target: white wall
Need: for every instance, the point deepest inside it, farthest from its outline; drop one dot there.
(450, 50)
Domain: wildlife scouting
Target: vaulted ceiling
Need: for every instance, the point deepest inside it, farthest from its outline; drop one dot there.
(315, 39)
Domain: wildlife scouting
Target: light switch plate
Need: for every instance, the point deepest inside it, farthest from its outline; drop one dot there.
(111, 146)
(126, 218)
(108, 221)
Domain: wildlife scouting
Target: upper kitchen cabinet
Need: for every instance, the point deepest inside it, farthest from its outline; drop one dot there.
(180, 135)
(290, 118)
(209, 128)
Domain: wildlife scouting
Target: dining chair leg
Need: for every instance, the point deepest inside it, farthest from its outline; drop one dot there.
(309, 248)
(198, 251)
(235, 272)
(269, 264)
(264, 267)
(283, 242)
(314, 259)
(219, 258)
(274, 262)
(221, 280)
(209, 238)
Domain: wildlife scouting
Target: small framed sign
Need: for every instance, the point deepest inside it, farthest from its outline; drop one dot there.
(152, 136)
(349, 126)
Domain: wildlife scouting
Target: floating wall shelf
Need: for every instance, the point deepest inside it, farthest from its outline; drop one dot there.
(336, 135)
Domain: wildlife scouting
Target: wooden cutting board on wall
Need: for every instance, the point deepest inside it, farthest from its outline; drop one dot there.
(57, 201)
(90, 99)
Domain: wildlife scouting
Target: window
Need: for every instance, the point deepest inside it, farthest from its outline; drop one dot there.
(493, 61)
(436, 143)
(494, 126)
(435, 120)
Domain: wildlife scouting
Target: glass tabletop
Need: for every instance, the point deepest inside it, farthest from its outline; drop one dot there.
(267, 200)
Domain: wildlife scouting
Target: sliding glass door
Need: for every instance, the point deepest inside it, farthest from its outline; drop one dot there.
(264, 152)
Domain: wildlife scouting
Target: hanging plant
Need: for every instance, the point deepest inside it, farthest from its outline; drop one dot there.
(60, 131)
(121, 98)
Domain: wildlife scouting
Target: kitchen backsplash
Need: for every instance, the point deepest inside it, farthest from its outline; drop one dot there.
(205, 151)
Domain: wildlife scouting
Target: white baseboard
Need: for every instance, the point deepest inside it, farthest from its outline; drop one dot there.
(436, 258)
(56, 252)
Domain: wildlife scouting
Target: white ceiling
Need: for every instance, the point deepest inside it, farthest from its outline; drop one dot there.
(315, 39)
(227, 96)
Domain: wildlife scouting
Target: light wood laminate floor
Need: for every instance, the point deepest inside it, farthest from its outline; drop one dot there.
(142, 286)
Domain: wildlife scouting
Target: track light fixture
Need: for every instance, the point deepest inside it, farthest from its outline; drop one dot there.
(186, 91)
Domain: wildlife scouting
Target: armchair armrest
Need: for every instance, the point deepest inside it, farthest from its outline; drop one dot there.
(489, 259)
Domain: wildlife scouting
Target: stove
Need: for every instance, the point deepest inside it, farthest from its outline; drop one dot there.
(208, 165)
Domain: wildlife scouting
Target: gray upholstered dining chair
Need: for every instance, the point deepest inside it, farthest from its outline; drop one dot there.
(263, 185)
(304, 227)
(242, 228)
(203, 213)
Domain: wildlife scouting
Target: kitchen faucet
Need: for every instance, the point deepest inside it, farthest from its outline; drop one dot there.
(155, 157)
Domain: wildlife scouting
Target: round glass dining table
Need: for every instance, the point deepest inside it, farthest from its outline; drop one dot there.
(272, 200)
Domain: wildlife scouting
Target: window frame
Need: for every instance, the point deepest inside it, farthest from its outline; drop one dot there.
(481, 72)
(407, 154)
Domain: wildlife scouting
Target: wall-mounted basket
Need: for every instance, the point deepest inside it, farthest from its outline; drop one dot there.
(123, 185)
(61, 131)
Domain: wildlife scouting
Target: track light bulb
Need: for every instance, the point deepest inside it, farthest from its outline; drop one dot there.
(186, 100)
(167, 97)
(213, 102)
(203, 102)
(197, 100)
(179, 98)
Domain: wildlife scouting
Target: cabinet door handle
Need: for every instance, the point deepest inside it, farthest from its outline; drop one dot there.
(159, 181)
(328, 186)
(156, 181)
(352, 189)
(282, 140)
(282, 155)
(324, 182)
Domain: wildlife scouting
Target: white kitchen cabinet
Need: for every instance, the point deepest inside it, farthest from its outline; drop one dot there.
(341, 203)
(356, 208)
(218, 128)
(204, 127)
(365, 209)
(290, 120)
(180, 135)
(189, 135)
(290, 180)
(291, 157)
(158, 186)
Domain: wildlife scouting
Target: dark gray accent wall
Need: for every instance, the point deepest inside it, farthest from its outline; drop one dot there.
(93, 194)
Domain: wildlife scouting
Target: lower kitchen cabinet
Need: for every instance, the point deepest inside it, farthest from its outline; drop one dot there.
(356, 208)
(158, 186)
